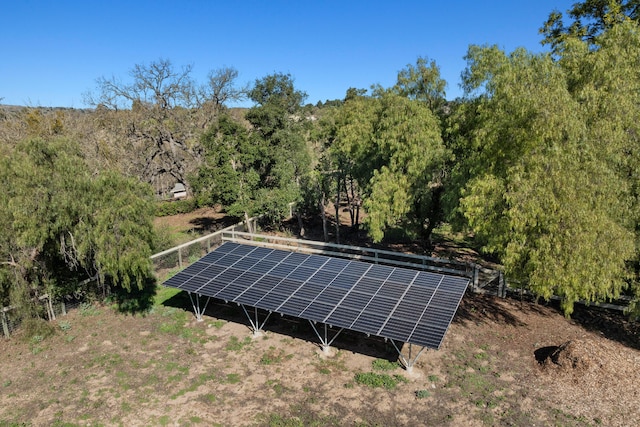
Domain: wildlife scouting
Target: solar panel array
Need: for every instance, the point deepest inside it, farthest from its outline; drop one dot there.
(397, 303)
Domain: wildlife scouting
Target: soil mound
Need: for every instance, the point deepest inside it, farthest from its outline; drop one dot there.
(575, 356)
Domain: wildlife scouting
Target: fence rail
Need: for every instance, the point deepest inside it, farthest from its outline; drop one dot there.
(378, 256)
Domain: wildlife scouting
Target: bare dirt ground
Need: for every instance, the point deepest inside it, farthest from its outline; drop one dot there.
(503, 362)
(185, 227)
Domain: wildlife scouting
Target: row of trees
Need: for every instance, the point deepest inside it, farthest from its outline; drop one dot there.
(539, 160)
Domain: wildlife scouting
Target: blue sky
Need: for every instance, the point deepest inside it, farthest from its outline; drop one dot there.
(53, 51)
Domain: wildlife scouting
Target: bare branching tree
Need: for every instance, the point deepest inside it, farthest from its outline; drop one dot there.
(160, 114)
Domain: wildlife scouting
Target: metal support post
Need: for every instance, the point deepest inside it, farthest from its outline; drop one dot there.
(195, 303)
(476, 274)
(256, 326)
(325, 342)
(407, 362)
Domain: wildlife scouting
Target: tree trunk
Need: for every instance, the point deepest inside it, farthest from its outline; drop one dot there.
(337, 206)
(325, 231)
(434, 216)
(349, 200)
(247, 222)
(300, 222)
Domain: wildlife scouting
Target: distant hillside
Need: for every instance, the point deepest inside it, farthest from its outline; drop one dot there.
(17, 108)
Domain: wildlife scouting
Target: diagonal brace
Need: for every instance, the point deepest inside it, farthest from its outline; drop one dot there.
(256, 326)
(325, 342)
(195, 303)
(407, 362)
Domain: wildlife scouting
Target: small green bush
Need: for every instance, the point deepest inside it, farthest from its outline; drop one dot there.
(88, 309)
(384, 365)
(375, 380)
(163, 238)
(175, 207)
(65, 326)
(421, 394)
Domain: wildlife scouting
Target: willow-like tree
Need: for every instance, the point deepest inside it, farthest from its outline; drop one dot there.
(422, 82)
(393, 148)
(588, 20)
(61, 225)
(546, 193)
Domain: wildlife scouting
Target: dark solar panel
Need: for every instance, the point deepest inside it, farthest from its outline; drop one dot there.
(406, 305)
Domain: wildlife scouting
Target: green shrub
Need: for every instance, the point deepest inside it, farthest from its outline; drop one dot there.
(88, 309)
(384, 365)
(421, 394)
(162, 238)
(175, 207)
(375, 380)
(36, 329)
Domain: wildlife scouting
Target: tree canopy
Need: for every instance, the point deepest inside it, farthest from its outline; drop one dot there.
(539, 162)
(552, 192)
(589, 19)
(257, 170)
(392, 147)
(62, 225)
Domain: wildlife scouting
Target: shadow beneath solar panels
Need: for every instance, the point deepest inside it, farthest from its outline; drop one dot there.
(293, 327)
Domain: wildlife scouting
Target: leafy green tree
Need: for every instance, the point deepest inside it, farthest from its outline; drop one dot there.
(230, 173)
(606, 82)
(422, 82)
(278, 128)
(589, 19)
(61, 225)
(392, 146)
(257, 170)
(543, 193)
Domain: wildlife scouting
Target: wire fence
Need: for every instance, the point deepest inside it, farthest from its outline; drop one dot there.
(50, 309)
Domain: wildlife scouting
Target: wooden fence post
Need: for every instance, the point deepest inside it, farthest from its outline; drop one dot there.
(476, 274)
(5, 325)
(52, 313)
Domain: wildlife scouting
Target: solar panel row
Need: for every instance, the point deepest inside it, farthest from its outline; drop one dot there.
(406, 305)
